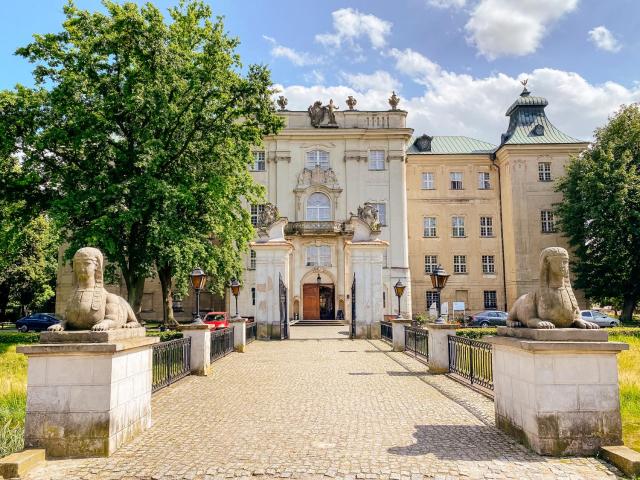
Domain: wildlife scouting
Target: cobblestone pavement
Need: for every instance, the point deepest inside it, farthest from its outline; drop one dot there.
(315, 408)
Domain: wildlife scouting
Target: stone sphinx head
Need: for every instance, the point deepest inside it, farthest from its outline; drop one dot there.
(554, 267)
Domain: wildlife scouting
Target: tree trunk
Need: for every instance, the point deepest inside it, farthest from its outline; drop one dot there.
(628, 306)
(164, 273)
(135, 290)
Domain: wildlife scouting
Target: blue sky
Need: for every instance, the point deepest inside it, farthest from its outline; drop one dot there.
(456, 64)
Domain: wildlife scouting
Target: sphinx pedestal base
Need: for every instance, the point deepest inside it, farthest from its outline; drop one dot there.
(558, 397)
(88, 399)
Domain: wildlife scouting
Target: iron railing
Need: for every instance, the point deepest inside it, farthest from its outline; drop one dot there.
(386, 331)
(171, 361)
(416, 340)
(252, 331)
(471, 360)
(221, 343)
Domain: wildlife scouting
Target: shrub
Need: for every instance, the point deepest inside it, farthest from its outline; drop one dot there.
(420, 318)
(475, 333)
(17, 337)
(165, 336)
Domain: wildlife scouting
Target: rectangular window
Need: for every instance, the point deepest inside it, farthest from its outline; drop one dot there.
(457, 226)
(256, 210)
(546, 221)
(428, 181)
(459, 264)
(544, 172)
(432, 297)
(253, 295)
(317, 158)
(382, 213)
(319, 256)
(430, 263)
(488, 264)
(430, 227)
(484, 181)
(486, 226)
(376, 160)
(252, 259)
(456, 180)
(490, 299)
(258, 162)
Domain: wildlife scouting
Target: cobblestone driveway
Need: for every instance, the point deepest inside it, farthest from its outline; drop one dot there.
(322, 408)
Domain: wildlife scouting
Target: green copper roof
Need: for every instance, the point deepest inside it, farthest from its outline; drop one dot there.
(447, 145)
(528, 123)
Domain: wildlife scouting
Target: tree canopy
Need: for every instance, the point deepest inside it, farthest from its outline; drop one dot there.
(600, 212)
(137, 136)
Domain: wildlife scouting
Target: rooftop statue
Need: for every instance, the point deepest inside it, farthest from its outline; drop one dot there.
(91, 307)
(553, 303)
(394, 100)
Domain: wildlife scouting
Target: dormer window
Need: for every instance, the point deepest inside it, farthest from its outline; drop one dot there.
(317, 158)
(538, 130)
(423, 143)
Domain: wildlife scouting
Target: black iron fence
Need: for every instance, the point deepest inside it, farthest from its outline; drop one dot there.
(252, 331)
(386, 331)
(221, 343)
(171, 361)
(471, 360)
(416, 341)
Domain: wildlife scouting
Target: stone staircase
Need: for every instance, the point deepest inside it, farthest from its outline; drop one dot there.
(318, 323)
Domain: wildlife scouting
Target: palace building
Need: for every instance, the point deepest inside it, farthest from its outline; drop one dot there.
(483, 211)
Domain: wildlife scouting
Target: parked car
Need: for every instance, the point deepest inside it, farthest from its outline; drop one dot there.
(488, 318)
(599, 318)
(217, 319)
(37, 322)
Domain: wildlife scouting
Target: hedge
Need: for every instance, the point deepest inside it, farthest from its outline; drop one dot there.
(483, 332)
(18, 337)
(165, 336)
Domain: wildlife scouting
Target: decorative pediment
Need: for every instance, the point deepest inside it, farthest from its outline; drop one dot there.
(318, 176)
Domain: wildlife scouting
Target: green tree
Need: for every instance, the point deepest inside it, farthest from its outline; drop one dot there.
(600, 212)
(143, 133)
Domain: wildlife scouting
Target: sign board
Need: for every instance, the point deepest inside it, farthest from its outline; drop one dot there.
(458, 306)
(444, 308)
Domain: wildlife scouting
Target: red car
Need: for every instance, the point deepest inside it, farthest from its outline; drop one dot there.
(217, 319)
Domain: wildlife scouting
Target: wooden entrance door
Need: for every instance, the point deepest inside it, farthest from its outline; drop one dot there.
(310, 301)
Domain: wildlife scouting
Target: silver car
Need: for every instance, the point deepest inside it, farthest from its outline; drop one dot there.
(599, 318)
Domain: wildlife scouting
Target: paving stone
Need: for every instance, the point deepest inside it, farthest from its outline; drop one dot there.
(322, 406)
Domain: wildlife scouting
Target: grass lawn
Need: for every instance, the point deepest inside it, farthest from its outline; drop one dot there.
(13, 398)
(629, 380)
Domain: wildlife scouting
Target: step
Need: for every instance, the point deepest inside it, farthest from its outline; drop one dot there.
(18, 464)
(318, 323)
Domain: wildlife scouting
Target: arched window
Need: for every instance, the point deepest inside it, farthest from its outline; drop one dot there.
(317, 158)
(318, 207)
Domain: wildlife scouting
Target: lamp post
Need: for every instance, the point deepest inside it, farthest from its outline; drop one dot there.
(399, 289)
(439, 279)
(198, 281)
(235, 290)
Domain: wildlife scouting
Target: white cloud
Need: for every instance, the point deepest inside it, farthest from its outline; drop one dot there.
(513, 27)
(460, 104)
(300, 59)
(447, 3)
(604, 39)
(349, 25)
(378, 81)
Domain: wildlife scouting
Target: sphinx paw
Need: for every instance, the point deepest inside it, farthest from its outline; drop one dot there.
(583, 324)
(514, 323)
(56, 327)
(131, 325)
(102, 326)
(545, 325)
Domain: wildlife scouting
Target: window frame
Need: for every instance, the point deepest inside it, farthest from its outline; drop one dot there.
(544, 172)
(257, 162)
(484, 183)
(429, 266)
(434, 227)
(318, 260)
(547, 225)
(435, 295)
(252, 259)
(488, 264)
(460, 267)
(372, 163)
(432, 181)
(318, 161)
(318, 208)
(456, 184)
(486, 230)
(255, 215)
(461, 233)
(487, 294)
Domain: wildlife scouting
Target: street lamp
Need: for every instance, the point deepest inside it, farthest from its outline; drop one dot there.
(235, 290)
(198, 281)
(399, 289)
(439, 279)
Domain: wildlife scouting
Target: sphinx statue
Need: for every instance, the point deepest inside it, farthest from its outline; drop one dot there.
(553, 303)
(91, 307)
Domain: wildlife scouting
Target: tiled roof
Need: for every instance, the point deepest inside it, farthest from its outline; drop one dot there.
(443, 145)
(528, 123)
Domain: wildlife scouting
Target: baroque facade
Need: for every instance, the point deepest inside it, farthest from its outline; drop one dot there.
(482, 211)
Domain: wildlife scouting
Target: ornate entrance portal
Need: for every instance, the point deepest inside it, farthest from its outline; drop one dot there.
(318, 301)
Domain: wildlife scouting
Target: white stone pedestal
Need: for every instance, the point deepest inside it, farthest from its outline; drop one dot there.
(398, 325)
(272, 263)
(239, 334)
(366, 265)
(200, 335)
(88, 393)
(439, 346)
(556, 391)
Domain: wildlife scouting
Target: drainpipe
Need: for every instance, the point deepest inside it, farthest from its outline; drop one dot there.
(504, 271)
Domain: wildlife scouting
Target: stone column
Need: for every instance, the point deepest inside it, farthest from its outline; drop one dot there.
(366, 264)
(239, 334)
(439, 346)
(88, 393)
(200, 347)
(398, 325)
(272, 263)
(556, 391)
